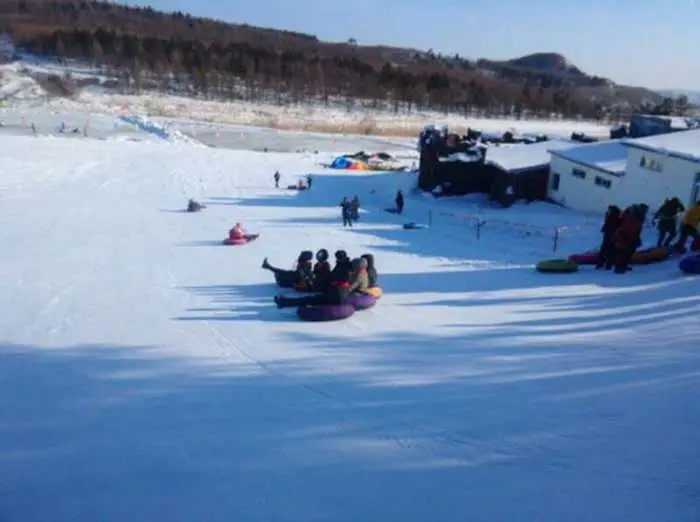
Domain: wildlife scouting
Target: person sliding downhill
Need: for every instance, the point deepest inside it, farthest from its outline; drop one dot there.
(301, 275)
(342, 283)
(322, 270)
(237, 233)
(372, 277)
(193, 206)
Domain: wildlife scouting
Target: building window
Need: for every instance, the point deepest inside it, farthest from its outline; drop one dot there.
(556, 179)
(578, 173)
(649, 163)
(602, 182)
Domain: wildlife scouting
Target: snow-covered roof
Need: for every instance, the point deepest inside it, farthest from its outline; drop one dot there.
(682, 144)
(520, 157)
(609, 156)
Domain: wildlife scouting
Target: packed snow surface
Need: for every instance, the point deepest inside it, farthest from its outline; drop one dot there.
(146, 374)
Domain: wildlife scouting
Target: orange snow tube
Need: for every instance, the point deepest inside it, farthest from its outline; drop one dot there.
(650, 255)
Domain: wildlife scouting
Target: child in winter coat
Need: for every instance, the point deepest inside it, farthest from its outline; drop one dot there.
(689, 227)
(665, 218)
(346, 211)
(371, 271)
(237, 232)
(355, 209)
(322, 270)
(606, 255)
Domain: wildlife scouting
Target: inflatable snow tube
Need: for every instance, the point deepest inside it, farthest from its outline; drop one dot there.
(295, 187)
(361, 301)
(325, 312)
(586, 258)
(236, 241)
(391, 210)
(557, 266)
(650, 255)
(695, 245)
(690, 265)
(242, 240)
(375, 291)
(286, 279)
(414, 226)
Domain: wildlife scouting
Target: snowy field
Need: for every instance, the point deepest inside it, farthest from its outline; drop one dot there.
(19, 89)
(146, 374)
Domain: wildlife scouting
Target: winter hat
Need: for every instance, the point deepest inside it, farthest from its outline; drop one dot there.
(305, 256)
(341, 255)
(359, 264)
(322, 255)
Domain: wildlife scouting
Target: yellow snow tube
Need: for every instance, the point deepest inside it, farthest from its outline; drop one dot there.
(375, 291)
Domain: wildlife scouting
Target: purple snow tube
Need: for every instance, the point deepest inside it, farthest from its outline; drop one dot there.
(361, 301)
(325, 312)
(690, 265)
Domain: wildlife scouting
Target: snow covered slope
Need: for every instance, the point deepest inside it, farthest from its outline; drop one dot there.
(146, 374)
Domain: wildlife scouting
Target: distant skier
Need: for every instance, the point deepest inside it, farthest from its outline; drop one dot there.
(276, 177)
(308, 181)
(399, 202)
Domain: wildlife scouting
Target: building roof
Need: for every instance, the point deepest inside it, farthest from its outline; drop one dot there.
(519, 158)
(682, 144)
(609, 156)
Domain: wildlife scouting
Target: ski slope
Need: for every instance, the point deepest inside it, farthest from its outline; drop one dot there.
(146, 374)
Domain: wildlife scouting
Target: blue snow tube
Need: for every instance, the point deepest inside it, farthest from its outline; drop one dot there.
(361, 301)
(414, 226)
(690, 264)
(322, 313)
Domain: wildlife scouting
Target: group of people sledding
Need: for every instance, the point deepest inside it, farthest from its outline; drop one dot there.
(329, 286)
(622, 231)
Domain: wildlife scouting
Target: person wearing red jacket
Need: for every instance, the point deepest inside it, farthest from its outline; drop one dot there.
(627, 238)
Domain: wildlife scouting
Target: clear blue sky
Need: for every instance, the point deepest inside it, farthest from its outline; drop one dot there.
(652, 43)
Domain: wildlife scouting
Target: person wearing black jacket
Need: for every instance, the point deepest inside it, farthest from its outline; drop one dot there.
(399, 202)
(606, 255)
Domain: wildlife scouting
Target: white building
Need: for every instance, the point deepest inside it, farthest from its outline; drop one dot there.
(7, 47)
(622, 172)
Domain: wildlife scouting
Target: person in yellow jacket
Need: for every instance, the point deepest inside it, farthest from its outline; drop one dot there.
(689, 227)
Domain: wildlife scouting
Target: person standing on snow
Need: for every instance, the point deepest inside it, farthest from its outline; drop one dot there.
(689, 228)
(308, 181)
(399, 202)
(355, 209)
(346, 212)
(606, 254)
(665, 219)
(276, 177)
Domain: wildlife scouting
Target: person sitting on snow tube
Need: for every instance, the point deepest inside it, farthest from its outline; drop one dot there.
(360, 276)
(342, 261)
(301, 275)
(193, 206)
(342, 283)
(371, 271)
(237, 233)
(322, 270)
